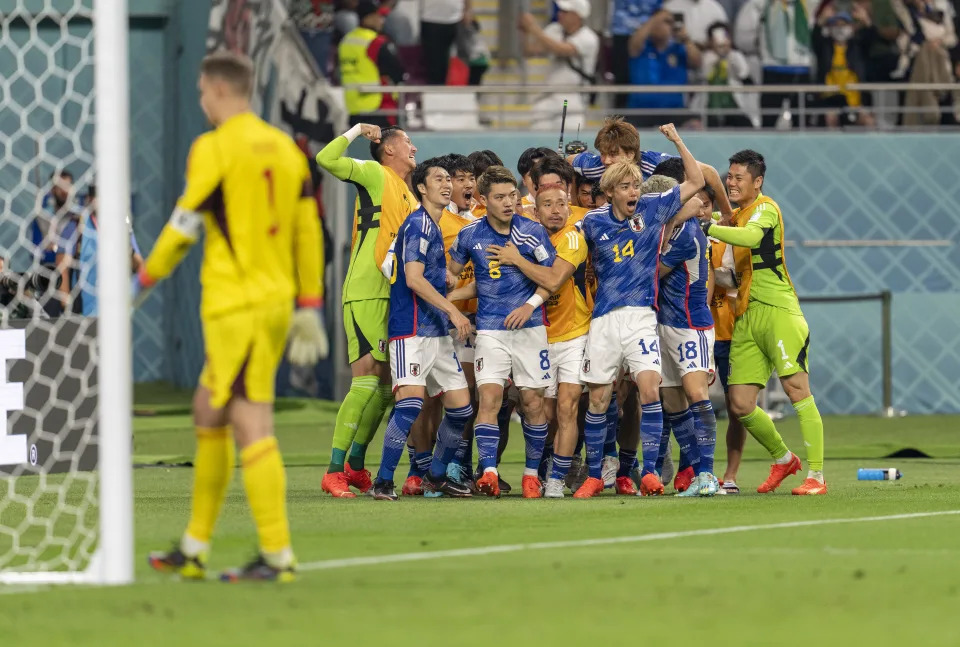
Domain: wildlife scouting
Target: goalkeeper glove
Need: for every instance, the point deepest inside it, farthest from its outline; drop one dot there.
(308, 337)
(140, 286)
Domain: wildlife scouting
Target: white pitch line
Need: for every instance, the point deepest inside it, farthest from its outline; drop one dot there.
(396, 558)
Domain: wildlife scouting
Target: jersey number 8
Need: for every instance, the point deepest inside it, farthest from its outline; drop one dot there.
(494, 269)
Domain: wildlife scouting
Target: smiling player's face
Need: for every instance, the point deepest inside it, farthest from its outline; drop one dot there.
(403, 149)
(500, 203)
(436, 191)
(625, 196)
(742, 187)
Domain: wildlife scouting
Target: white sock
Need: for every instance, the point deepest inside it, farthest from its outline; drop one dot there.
(490, 469)
(813, 474)
(192, 547)
(281, 559)
(529, 472)
(786, 458)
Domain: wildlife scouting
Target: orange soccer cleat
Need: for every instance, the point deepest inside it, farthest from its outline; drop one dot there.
(489, 484)
(778, 473)
(337, 485)
(810, 486)
(590, 488)
(683, 479)
(650, 485)
(359, 479)
(625, 486)
(413, 486)
(532, 487)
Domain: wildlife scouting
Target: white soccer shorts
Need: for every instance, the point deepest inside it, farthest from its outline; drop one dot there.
(625, 336)
(685, 351)
(464, 349)
(565, 359)
(430, 362)
(524, 353)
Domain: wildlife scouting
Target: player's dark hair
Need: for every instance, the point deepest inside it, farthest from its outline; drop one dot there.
(719, 24)
(386, 134)
(235, 69)
(64, 173)
(421, 171)
(596, 192)
(495, 175)
(482, 160)
(710, 193)
(552, 164)
(454, 162)
(615, 134)
(752, 160)
(672, 167)
(531, 156)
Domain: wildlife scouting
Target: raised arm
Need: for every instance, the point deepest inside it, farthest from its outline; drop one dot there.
(693, 176)
(712, 179)
(639, 38)
(363, 172)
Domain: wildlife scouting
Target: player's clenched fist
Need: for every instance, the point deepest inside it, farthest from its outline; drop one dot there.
(670, 132)
(370, 131)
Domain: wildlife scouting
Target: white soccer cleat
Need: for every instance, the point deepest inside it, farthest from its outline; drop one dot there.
(609, 469)
(709, 485)
(554, 489)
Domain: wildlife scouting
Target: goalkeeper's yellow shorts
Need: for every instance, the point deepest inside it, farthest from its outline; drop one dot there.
(243, 351)
(768, 339)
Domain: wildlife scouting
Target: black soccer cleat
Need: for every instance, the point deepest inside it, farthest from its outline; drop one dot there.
(260, 571)
(504, 486)
(442, 486)
(384, 491)
(176, 561)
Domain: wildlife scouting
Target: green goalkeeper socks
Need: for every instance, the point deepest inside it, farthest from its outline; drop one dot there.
(811, 427)
(369, 423)
(761, 427)
(362, 391)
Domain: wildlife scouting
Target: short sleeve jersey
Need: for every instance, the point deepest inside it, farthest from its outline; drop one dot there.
(588, 164)
(418, 241)
(567, 309)
(720, 307)
(683, 292)
(501, 289)
(625, 253)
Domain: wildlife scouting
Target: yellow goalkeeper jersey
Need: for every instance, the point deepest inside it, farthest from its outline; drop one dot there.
(263, 243)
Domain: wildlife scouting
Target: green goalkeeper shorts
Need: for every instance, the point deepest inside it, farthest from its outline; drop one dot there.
(768, 339)
(365, 323)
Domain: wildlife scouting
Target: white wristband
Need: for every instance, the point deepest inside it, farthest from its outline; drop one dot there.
(353, 133)
(536, 301)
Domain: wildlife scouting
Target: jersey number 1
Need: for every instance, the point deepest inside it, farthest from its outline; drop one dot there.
(268, 176)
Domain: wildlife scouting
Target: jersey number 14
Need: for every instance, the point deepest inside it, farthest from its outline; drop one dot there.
(619, 255)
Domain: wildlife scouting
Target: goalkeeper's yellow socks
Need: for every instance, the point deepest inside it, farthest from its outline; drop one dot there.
(761, 427)
(266, 485)
(212, 470)
(369, 423)
(362, 390)
(811, 427)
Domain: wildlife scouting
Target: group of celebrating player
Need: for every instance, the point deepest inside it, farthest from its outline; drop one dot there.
(588, 302)
(595, 323)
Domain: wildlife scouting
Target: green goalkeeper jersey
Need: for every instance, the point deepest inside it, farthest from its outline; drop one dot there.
(383, 202)
(757, 237)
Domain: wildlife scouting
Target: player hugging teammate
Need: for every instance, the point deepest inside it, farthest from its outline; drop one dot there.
(598, 321)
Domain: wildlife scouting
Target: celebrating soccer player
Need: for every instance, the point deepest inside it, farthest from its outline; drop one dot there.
(383, 202)
(422, 357)
(511, 335)
(250, 185)
(624, 241)
(770, 333)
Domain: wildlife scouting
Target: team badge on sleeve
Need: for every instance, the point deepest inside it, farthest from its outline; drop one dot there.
(540, 253)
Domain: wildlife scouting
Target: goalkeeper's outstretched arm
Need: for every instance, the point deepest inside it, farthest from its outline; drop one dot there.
(366, 173)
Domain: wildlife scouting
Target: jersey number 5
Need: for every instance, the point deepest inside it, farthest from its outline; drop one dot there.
(619, 255)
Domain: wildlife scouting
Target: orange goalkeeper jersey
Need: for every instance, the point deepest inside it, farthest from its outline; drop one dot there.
(567, 309)
(450, 225)
(263, 243)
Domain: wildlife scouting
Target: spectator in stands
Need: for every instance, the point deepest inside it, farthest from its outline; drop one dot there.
(473, 48)
(777, 32)
(314, 19)
(572, 49)
(367, 57)
(398, 26)
(627, 17)
(56, 210)
(660, 54)
(841, 54)
(438, 31)
(726, 66)
(697, 16)
(928, 35)
(345, 18)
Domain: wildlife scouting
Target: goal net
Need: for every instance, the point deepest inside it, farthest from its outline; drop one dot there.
(65, 386)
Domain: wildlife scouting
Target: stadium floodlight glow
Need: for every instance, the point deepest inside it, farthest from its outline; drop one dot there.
(66, 514)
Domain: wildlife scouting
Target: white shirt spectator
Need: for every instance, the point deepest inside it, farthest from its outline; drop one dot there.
(548, 108)
(698, 15)
(442, 12)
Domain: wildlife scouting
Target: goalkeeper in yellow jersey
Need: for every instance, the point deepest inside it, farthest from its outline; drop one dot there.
(248, 186)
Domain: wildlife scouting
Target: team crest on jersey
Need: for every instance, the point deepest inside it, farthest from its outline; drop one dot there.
(414, 369)
(382, 345)
(586, 366)
(636, 224)
(479, 364)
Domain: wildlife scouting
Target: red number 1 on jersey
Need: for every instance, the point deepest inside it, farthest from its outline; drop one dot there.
(268, 175)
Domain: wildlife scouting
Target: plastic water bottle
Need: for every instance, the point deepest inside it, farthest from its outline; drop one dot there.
(889, 474)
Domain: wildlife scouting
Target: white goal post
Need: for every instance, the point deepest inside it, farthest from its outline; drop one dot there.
(66, 487)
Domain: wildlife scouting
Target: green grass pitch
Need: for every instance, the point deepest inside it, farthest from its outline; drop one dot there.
(885, 581)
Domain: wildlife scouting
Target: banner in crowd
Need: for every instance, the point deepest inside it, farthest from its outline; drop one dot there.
(290, 92)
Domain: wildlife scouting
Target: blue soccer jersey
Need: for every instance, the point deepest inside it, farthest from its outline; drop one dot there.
(418, 240)
(588, 164)
(626, 253)
(501, 289)
(683, 292)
